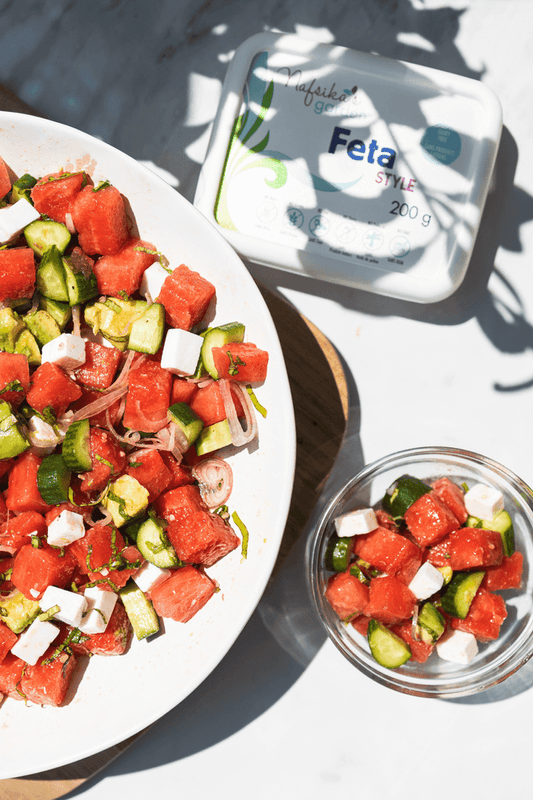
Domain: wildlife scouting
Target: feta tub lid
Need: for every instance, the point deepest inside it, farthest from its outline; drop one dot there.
(350, 167)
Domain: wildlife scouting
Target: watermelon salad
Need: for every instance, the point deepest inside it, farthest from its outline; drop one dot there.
(116, 401)
(421, 572)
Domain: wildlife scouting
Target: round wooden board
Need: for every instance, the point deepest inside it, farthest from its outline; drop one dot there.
(320, 398)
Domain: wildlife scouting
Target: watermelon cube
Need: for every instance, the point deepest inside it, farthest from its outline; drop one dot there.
(108, 461)
(52, 388)
(429, 519)
(389, 552)
(182, 595)
(148, 398)
(5, 180)
(18, 531)
(241, 361)
(149, 468)
(474, 547)
(123, 271)
(99, 217)
(208, 404)
(114, 641)
(390, 601)
(507, 575)
(47, 682)
(54, 194)
(485, 616)
(11, 670)
(96, 550)
(98, 371)
(420, 651)
(347, 596)
(7, 640)
(14, 378)
(186, 296)
(452, 496)
(36, 568)
(22, 492)
(17, 273)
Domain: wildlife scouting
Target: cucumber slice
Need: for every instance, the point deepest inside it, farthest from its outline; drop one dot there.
(76, 449)
(26, 345)
(186, 419)
(13, 441)
(338, 553)
(402, 494)
(53, 479)
(80, 279)
(431, 620)
(218, 337)
(154, 546)
(386, 647)
(22, 188)
(147, 332)
(213, 437)
(51, 280)
(43, 326)
(61, 312)
(43, 234)
(140, 611)
(502, 523)
(460, 592)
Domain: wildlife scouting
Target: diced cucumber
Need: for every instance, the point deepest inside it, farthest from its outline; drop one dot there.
(11, 325)
(76, 449)
(43, 326)
(186, 420)
(431, 620)
(13, 441)
(213, 437)
(154, 545)
(60, 312)
(218, 337)
(43, 234)
(18, 611)
(126, 498)
(146, 333)
(80, 279)
(22, 188)
(140, 611)
(338, 553)
(402, 494)
(387, 648)
(460, 592)
(53, 479)
(51, 280)
(26, 345)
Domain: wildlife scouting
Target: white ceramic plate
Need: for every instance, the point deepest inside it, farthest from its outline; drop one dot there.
(120, 696)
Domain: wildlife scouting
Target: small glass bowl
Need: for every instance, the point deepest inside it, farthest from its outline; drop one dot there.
(496, 660)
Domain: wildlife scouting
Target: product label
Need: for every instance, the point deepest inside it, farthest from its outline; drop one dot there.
(347, 165)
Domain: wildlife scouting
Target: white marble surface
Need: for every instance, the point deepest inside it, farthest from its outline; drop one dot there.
(284, 715)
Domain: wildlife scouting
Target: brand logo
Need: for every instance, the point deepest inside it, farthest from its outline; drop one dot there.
(342, 101)
(359, 150)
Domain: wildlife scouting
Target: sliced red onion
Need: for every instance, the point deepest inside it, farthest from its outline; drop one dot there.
(69, 222)
(76, 321)
(102, 404)
(238, 435)
(215, 481)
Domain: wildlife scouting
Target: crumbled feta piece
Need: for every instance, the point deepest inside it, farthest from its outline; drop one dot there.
(357, 522)
(66, 351)
(181, 351)
(34, 592)
(13, 219)
(71, 604)
(149, 576)
(483, 501)
(42, 435)
(460, 647)
(427, 581)
(100, 605)
(34, 641)
(66, 528)
(152, 281)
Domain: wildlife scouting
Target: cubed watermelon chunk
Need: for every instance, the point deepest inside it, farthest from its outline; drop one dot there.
(52, 388)
(485, 616)
(22, 492)
(17, 273)
(182, 595)
(186, 296)
(123, 271)
(54, 194)
(390, 601)
(108, 461)
(100, 366)
(470, 548)
(389, 552)
(208, 404)
(420, 651)
(36, 568)
(347, 596)
(149, 468)
(507, 575)
(7, 640)
(148, 398)
(5, 181)
(241, 361)
(429, 519)
(18, 531)
(452, 496)
(14, 378)
(114, 641)
(99, 217)
(11, 670)
(47, 682)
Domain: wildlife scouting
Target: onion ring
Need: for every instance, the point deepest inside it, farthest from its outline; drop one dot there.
(215, 480)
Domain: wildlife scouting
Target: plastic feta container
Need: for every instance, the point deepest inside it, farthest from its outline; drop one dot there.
(350, 167)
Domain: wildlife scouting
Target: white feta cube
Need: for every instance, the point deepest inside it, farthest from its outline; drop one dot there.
(34, 641)
(152, 281)
(149, 576)
(71, 604)
(66, 528)
(483, 501)
(42, 436)
(100, 605)
(181, 351)
(13, 219)
(357, 522)
(66, 351)
(427, 581)
(459, 647)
